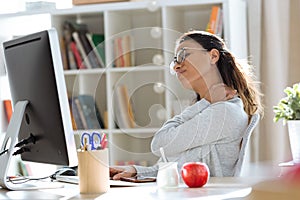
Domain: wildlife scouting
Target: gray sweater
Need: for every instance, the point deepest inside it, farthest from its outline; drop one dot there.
(205, 132)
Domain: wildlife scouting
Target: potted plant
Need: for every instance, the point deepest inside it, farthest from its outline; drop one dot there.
(288, 109)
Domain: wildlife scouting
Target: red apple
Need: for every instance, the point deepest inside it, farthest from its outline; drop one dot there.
(195, 174)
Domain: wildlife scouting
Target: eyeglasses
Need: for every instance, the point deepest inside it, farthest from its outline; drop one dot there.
(181, 56)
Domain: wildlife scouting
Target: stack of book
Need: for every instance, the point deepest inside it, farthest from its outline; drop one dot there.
(82, 49)
(85, 113)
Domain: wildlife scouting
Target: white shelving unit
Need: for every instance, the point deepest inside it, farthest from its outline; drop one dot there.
(154, 27)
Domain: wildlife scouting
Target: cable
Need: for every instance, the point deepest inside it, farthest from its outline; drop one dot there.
(3, 152)
(30, 139)
(21, 150)
(22, 179)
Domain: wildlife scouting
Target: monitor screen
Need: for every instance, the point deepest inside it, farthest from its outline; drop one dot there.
(35, 74)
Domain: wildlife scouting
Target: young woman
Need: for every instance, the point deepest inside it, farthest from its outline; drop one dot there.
(211, 129)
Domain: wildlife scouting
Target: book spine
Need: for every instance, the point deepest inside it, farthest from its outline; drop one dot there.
(74, 126)
(99, 41)
(126, 47)
(76, 115)
(99, 118)
(125, 118)
(71, 59)
(128, 107)
(81, 50)
(77, 56)
(219, 28)
(213, 19)
(98, 56)
(119, 107)
(120, 52)
(90, 111)
(80, 112)
(116, 53)
(88, 50)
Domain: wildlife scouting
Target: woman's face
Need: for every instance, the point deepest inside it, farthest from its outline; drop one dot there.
(196, 65)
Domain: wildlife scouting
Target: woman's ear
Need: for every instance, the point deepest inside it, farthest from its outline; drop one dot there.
(214, 56)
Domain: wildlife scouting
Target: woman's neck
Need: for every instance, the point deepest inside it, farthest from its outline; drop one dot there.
(206, 87)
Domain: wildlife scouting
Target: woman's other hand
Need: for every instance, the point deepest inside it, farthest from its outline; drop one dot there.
(116, 172)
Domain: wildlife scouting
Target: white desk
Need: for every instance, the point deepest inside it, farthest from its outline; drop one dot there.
(217, 188)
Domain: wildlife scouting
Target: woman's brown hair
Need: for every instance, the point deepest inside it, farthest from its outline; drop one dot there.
(234, 73)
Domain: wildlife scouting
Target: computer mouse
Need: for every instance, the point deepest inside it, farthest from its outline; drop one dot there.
(65, 171)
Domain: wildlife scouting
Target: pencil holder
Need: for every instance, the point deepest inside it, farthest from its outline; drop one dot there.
(93, 171)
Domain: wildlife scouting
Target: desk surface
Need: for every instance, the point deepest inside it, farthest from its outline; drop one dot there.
(216, 188)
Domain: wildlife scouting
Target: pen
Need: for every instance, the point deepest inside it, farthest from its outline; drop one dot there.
(85, 144)
(103, 141)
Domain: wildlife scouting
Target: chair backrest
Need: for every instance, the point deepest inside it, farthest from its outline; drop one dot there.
(252, 124)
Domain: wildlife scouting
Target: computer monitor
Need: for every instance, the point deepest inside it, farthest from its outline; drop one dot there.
(41, 110)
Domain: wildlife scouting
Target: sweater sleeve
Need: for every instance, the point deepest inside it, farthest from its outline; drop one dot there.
(146, 171)
(197, 125)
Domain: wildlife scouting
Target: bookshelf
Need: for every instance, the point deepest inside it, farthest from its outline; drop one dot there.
(155, 94)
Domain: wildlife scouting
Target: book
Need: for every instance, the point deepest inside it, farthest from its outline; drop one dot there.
(97, 43)
(118, 61)
(79, 44)
(75, 113)
(123, 51)
(76, 32)
(215, 16)
(8, 109)
(90, 112)
(71, 59)
(25, 168)
(88, 49)
(80, 113)
(105, 119)
(126, 47)
(22, 169)
(78, 58)
(68, 29)
(219, 25)
(128, 106)
(125, 117)
(74, 126)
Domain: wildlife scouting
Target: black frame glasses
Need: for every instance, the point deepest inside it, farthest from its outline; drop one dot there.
(180, 56)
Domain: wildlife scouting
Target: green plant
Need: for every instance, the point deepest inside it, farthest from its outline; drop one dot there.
(288, 107)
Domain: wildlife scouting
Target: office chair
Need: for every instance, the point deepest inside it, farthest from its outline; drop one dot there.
(252, 124)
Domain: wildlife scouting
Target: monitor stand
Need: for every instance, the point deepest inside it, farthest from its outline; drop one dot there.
(8, 143)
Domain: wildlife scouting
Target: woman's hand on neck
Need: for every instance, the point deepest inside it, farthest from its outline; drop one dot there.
(219, 92)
